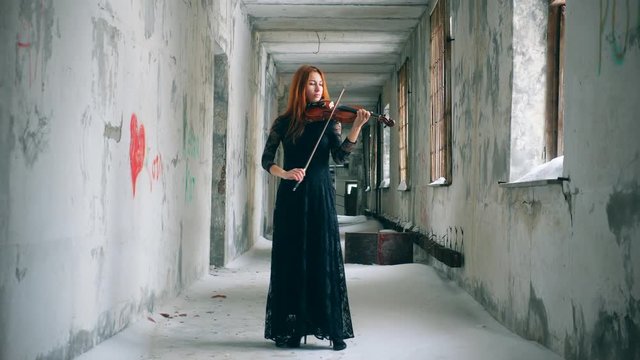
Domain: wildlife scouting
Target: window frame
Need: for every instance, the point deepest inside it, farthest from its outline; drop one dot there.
(384, 140)
(403, 91)
(554, 122)
(440, 95)
(537, 117)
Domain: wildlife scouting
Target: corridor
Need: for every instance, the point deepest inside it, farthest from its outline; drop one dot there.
(400, 312)
(135, 208)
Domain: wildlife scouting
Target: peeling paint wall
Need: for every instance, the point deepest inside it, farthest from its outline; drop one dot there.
(7, 145)
(601, 111)
(270, 110)
(106, 130)
(236, 204)
(264, 112)
(219, 166)
(554, 263)
(240, 128)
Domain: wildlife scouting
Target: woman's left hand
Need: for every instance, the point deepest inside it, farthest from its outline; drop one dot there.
(361, 118)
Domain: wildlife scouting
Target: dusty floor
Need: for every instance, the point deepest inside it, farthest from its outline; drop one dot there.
(399, 312)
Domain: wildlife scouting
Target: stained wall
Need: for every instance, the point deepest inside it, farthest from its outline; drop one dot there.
(106, 145)
(555, 263)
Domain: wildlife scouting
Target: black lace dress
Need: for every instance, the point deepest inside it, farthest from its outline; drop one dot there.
(308, 291)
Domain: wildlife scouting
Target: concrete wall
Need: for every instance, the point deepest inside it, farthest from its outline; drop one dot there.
(240, 131)
(106, 132)
(555, 263)
(240, 96)
(602, 158)
(265, 111)
(219, 161)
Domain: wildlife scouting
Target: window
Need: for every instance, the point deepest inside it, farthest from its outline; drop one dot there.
(373, 152)
(385, 137)
(403, 130)
(536, 104)
(439, 98)
(366, 147)
(554, 145)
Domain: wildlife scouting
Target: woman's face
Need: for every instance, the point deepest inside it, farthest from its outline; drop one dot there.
(314, 87)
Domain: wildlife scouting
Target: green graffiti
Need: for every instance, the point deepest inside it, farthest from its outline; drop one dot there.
(184, 121)
(191, 149)
(192, 144)
(602, 22)
(189, 184)
(619, 53)
(618, 39)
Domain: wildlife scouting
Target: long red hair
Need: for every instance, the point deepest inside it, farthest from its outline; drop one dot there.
(298, 99)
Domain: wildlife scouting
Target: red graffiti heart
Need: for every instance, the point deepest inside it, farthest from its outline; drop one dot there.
(136, 150)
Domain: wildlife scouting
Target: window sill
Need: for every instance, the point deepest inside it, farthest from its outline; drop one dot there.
(440, 182)
(384, 184)
(544, 174)
(403, 186)
(532, 183)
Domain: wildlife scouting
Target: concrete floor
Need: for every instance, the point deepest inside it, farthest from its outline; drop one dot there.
(399, 312)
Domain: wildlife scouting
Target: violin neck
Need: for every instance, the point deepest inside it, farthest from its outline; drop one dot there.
(355, 111)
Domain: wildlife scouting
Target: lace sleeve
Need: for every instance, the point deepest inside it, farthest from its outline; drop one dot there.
(271, 146)
(340, 150)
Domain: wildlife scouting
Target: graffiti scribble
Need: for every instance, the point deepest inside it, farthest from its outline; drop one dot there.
(136, 150)
(622, 33)
(34, 139)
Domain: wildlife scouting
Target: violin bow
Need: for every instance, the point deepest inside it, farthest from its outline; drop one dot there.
(335, 106)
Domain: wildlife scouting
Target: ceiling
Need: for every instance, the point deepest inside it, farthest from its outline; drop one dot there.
(356, 43)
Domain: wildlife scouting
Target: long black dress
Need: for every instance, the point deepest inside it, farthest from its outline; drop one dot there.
(308, 291)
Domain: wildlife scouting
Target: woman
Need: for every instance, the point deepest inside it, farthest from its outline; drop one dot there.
(308, 291)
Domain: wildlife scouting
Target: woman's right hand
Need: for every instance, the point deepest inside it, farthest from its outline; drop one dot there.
(296, 174)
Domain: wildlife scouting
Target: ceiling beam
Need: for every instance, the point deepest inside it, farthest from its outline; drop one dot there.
(330, 48)
(341, 68)
(303, 36)
(329, 12)
(344, 58)
(321, 24)
(348, 79)
(339, 2)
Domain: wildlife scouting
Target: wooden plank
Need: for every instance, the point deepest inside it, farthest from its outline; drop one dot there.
(360, 248)
(394, 248)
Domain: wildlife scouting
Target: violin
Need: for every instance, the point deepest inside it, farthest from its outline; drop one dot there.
(321, 110)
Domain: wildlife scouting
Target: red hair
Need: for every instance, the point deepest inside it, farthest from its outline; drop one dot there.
(298, 99)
